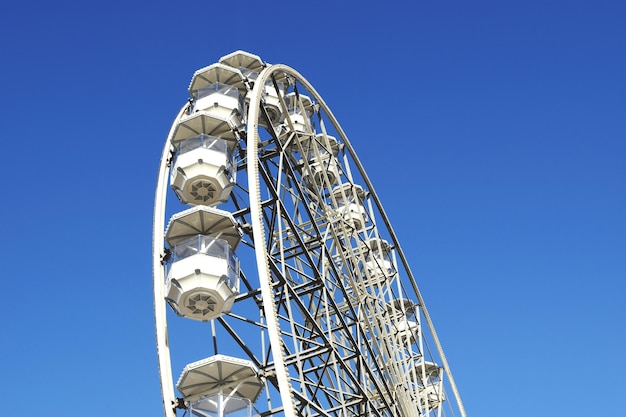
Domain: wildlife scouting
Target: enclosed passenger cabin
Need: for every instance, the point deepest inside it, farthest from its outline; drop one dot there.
(250, 66)
(271, 101)
(300, 109)
(350, 200)
(219, 90)
(378, 266)
(426, 378)
(202, 278)
(203, 169)
(220, 386)
(404, 321)
(323, 168)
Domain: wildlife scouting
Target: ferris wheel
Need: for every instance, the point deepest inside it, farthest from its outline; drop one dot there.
(280, 287)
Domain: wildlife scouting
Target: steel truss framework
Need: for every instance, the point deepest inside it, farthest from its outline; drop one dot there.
(328, 309)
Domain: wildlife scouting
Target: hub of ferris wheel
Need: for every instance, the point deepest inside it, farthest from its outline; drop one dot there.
(278, 250)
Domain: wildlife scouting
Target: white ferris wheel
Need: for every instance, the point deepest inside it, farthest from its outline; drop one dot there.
(280, 287)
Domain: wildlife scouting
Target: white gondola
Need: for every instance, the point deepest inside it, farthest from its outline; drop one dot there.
(271, 101)
(217, 90)
(378, 266)
(323, 168)
(300, 109)
(202, 277)
(203, 170)
(350, 199)
(250, 66)
(428, 378)
(405, 326)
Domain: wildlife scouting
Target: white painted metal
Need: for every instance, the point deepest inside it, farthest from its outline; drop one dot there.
(423, 309)
(158, 272)
(322, 160)
(337, 334)
(263, 268)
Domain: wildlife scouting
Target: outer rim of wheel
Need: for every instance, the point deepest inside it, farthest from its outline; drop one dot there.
(160, 313)
(259, 236)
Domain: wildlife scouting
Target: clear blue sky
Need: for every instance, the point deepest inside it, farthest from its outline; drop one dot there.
(493, 131)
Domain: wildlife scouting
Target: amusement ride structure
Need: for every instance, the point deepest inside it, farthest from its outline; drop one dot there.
(280, 288)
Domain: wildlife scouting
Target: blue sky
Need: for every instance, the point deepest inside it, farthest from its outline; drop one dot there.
(494, 133)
